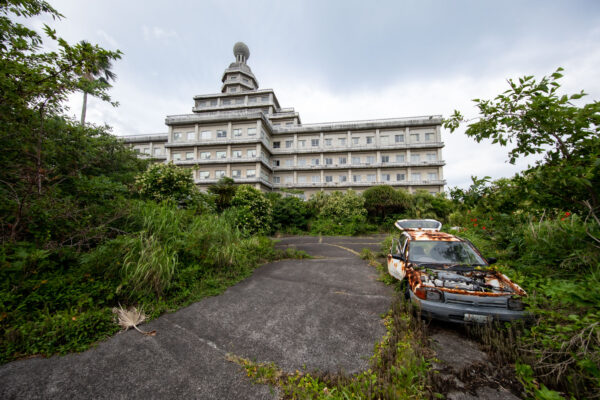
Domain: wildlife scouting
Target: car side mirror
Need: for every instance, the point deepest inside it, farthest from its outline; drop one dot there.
(398, 256)
(491, 260)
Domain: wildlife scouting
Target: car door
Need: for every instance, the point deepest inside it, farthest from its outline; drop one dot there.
(396, 262)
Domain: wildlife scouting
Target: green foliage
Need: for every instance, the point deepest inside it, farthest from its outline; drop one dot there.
(167, 182)
(290, 214)
(224, 190)
(252, 210)
(384, 200)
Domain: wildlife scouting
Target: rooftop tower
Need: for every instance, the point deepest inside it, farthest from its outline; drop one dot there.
(238, 77)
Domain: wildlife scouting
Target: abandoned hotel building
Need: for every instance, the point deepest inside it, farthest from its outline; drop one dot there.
(243, 133)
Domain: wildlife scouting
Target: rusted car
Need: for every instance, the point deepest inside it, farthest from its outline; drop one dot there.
(449, 279)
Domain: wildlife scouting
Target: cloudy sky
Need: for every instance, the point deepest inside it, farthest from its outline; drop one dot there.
(339, 60)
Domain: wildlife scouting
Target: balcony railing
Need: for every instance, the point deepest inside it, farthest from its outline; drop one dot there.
(203, 161)
(220, 142)
(236, 180)
(357, 184)
(359, 166)
(351, 148)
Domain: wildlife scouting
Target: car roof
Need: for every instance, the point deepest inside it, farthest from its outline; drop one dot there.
(430, 225)
(431, 236)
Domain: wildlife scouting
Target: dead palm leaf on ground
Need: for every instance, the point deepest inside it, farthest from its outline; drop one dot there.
(131, 318)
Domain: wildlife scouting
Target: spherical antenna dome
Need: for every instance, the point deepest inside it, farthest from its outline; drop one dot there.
(240, 49)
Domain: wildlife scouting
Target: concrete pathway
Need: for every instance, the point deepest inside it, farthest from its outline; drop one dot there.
(321, 313)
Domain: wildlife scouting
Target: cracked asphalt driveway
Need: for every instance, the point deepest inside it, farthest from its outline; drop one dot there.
(321, 314)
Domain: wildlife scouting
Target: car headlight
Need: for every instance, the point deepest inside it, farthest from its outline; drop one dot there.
(515, 303)
(429, 294)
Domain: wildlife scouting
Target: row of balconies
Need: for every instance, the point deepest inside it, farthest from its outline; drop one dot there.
(373, 147)
(363, 183)
(361, 165)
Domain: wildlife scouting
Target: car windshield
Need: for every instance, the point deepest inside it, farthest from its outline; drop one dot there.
(437, 252)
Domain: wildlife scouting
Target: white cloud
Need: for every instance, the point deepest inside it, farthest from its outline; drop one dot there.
(158, 33)
(108, 39)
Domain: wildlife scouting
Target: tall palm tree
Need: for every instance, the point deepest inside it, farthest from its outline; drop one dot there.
(96, 72)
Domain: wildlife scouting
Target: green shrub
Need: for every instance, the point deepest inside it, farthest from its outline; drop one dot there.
(290, 214)
(253, 211)
(383, 200)
(167, 182)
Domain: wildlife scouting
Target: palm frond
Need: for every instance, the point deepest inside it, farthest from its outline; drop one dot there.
(131, 318)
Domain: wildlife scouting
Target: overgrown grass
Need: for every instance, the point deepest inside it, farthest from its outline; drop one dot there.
(399, 368)
(166, 258)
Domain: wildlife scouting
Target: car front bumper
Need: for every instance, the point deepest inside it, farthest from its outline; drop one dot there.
(468, 309)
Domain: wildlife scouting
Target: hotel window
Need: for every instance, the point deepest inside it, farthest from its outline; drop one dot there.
(385, 177)
(315, 161)
(264, 99)
(400, 177)
(221, 133)
(356, 178)
(191, 136)
(415, 177)
(177, 136)
(239, 101)
(328, 142)
(415, 158)
(250, 173)
(213, 102)
(252, 100)
(370, 160)
(157, 152)
(221, 154)
(251, 153)
(369, 139)
(205, 155)
(177, 156)
(236, 154)
(301, 179)
(385, 159)
(289, 162)
(146, 150)
(289, 123)
(276, 179)
(355, 140)
(385, 140)
(301, 163)
(219, 174)
(136, 150)
(251, 131)
(226, 102)
(301, 143)
(232, 90)
(315, 179)
(432, 176)
(289, 143)
(189, 155)
(245, 80)
(431, 157)
(276, 145)
(237, 132)
(342, 178)
(233, 78)
(328, 178)
(314, 142)
(429, 136)
(276, 163)
(328, 161)
(371, 178)
(288, 179)
(399, 138)
(201, 104)
(206, 135)
(236, 173)
(355, 160)
(342, 141)
(204, 174)
(399, 157)
(342, 160)
(415, 137)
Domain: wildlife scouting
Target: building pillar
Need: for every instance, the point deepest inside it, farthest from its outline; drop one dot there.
(322, 177)
(321, 144)
(228, 172)
(407, 156)
(196, 152)
(349, 139)
(228, 151)
(378, 157)
(197, 132)
(377, 141)
(378, 175)
(295, 160)
(322, 159)
(229, 131)
(296, 141)
(295, 178)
